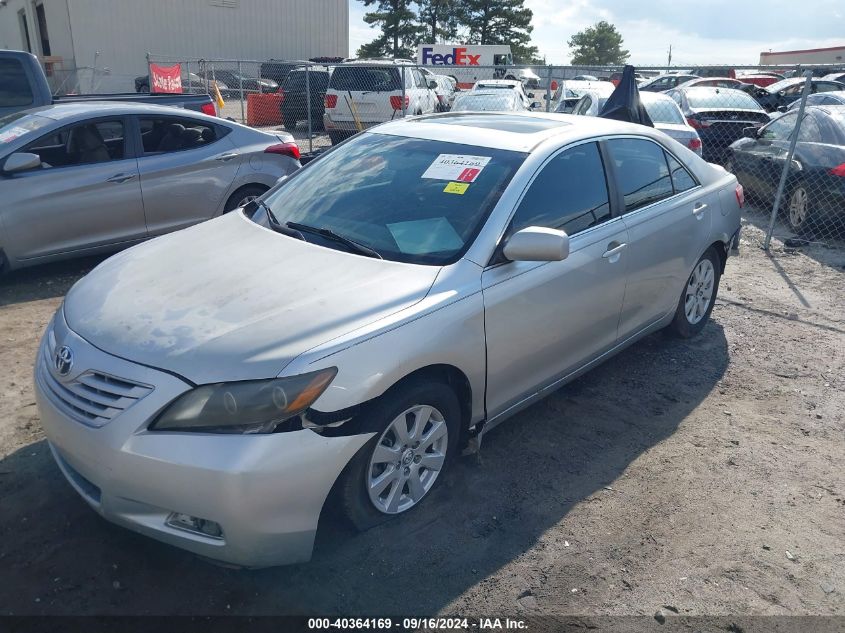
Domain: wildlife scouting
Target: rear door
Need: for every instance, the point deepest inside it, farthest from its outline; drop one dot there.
(668, 216)
(85, 195)
(543, 320)
(187, 166)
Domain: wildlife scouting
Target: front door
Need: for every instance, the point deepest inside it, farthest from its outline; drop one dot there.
(85, 194)
(545, 319)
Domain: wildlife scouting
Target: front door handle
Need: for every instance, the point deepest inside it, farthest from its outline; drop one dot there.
(614, 249)
(225, 157)
(119, 178)
(698, 209)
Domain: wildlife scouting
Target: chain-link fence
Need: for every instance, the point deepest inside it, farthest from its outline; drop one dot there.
(745, 118)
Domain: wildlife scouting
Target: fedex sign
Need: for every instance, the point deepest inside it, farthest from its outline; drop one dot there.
(458, 57)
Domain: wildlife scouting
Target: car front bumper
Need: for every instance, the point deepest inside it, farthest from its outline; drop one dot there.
(265, 491)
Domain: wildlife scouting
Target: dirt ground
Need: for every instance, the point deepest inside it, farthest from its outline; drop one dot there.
(706, 476)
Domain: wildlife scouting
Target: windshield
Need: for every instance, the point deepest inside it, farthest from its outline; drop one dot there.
(14, 84)
(484, 102)
(412, 200)
(727, 99)
(782, 85)
(14, 126)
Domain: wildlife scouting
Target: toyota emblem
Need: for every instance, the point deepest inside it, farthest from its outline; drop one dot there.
(63, 360)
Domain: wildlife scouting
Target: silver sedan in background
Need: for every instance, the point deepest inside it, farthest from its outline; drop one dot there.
(79, 179)
(356, 327)
(662, 109)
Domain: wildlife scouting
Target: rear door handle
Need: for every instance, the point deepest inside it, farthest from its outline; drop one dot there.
(225, 157)
(612, 252)
(698, 209)
(118, 178)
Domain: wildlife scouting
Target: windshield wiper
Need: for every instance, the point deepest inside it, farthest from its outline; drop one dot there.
(331, 235)
(275, 224)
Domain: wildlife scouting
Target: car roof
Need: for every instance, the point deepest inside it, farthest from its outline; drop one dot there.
(72, 110)
(520, 132)
(497, 82)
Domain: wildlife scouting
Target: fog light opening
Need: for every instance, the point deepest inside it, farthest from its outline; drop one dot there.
(196, 525)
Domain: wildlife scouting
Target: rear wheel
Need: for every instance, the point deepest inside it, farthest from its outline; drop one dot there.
(243, 196)
(290, 124)
(698, 296)
(798, 208)
(416, 437)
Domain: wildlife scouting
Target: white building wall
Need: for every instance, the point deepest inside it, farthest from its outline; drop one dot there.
(123, 31)
(813, 56)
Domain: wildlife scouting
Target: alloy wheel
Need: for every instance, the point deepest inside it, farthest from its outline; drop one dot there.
(407, 459)
(798, 207)
(699, 291)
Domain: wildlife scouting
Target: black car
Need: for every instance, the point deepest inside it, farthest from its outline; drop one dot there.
(719, 115)
(782, 93)
(277, 70)
(298, 85)
(240, 81)
(815, 187)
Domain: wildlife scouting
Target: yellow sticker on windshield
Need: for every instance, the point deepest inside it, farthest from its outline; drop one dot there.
(456, 187)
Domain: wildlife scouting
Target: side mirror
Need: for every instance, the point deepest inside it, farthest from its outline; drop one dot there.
(537, 244)
(535, 104)
(21, 161)
(281, 180)
(782, 108)
(750, 132)
(432, 84)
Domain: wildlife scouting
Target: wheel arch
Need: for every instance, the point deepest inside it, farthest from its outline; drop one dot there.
(722, 251)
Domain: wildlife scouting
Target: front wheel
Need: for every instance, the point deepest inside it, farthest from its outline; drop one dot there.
(416, 436)
(243, 197)
(698, 296)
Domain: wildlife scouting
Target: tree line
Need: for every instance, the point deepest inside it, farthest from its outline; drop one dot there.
(404, 24)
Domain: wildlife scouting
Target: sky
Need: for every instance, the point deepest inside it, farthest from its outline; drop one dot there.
(700, 32)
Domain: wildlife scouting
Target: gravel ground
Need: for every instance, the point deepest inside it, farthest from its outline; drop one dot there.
(706, 476)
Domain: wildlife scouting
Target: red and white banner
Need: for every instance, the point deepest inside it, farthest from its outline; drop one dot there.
(166, 78)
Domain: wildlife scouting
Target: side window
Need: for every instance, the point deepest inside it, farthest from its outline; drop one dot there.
(82, 144)
(780, 129)
(171, 134)
(419, 80)
(570, 193)
(682, 180)
(585, 105)
(825, 86)
(641, 170)
(676, 97)
(809, 131)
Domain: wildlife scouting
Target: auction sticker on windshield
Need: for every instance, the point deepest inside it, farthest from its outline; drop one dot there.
(460, 167)
(7, 136)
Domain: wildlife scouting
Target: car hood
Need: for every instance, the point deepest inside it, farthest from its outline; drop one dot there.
(231, 300)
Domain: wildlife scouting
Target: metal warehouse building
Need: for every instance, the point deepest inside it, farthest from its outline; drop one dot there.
(105, 42)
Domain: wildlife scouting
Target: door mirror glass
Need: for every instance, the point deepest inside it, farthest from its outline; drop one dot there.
(537, 244)
(21, 161)
(535, 104)
(432, 84)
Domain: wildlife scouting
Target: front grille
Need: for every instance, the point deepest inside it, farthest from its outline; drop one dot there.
(93, 397)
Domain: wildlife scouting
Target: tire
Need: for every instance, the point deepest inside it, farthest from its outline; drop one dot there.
(290, 125)
(243, 196)
(697, 297)
(799, 208)
(408, 403)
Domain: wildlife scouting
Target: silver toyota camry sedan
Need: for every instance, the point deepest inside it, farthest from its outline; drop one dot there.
(84, 178)
(352, 330)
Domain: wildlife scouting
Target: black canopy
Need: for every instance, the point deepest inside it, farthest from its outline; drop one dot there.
(624, 103)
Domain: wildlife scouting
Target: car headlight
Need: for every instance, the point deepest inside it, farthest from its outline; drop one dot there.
(251, 406)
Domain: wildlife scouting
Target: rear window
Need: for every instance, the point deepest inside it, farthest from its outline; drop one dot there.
(715, 98)
(14, 84)
(366, 78)
(490, 102)
(663, 111)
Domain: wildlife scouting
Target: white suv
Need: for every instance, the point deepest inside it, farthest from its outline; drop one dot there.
(364, 93)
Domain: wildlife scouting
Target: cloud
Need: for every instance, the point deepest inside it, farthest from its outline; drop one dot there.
(718, 31)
